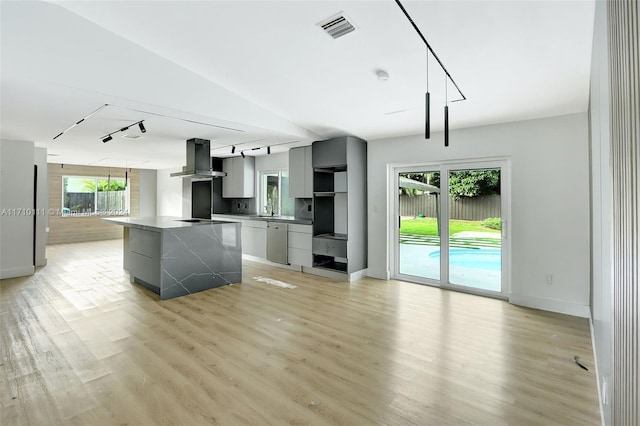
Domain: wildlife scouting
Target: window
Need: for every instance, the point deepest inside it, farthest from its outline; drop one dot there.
(274, 194)
(94, 196)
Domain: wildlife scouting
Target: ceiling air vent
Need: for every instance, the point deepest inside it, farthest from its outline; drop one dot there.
(337, 25)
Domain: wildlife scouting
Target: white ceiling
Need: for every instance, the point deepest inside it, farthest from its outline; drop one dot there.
(265, 68)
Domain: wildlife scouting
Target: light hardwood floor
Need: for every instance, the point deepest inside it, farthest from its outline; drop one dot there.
(81, 345)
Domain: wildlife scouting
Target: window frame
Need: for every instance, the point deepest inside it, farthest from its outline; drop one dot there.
(95, 212)
(262, 195)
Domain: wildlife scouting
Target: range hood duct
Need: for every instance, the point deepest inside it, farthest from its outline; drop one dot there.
(198, 161)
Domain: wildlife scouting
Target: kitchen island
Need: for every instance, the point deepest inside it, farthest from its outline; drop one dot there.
(175, 257)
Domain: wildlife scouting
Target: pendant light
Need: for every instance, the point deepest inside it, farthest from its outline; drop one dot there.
(446, 114)
(427, 127)
(427, 105)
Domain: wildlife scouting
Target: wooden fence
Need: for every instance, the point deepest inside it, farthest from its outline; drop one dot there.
(108, 201)
(478, 208)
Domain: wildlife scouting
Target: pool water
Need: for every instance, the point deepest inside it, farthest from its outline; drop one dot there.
(488, 259)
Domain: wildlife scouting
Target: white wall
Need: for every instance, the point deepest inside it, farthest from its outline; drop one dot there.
(16, 197)
(169, 193)
(549, 202)
(601, 187)
(148, 193)
(272, 162)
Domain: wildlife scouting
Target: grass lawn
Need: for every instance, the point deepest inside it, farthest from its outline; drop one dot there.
(429, 226)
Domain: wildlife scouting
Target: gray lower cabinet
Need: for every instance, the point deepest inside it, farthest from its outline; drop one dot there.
(145, 255)
(300, 241)
(254, 238)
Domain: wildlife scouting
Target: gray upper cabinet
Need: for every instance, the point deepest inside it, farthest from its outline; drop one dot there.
(300, 172)
(331, 153)
(240, 179)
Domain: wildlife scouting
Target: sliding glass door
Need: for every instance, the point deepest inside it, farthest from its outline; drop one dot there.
(419, 224)
(475, 229)
(452, 226)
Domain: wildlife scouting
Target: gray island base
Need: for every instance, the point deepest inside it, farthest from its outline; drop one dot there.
(174, 257)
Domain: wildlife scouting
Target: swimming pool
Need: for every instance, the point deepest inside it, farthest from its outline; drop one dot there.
(488, 259)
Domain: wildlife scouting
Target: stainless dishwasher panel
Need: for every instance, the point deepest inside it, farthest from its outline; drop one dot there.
(277, 244)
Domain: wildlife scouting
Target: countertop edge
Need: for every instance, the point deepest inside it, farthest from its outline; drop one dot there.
(263, 218)
(160, 223)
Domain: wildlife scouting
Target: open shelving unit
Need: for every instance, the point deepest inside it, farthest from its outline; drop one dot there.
(339, 197)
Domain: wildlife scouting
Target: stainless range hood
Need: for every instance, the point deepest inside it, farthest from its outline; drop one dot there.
(198, 161)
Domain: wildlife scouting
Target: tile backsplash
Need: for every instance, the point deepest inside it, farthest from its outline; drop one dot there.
(303, 208)
(243, 206)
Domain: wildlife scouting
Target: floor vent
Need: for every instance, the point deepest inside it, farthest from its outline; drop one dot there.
(337, 25)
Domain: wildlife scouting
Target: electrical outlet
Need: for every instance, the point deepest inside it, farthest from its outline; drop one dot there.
(548, 280)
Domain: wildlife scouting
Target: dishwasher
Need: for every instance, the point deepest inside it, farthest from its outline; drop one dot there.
(277, 244)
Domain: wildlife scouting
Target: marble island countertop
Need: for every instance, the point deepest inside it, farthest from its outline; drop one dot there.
(161, 222)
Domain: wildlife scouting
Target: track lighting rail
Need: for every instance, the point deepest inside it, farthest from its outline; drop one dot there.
(415, 27)
(108, 137)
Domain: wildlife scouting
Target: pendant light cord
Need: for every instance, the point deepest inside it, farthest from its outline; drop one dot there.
(446, 95)
(427, 70)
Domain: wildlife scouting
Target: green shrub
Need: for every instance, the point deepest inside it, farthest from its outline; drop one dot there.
(492, 223)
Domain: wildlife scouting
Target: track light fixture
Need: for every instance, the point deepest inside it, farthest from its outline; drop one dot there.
(427, 132)
(236, 148)
(108, 137)
(242, 153)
